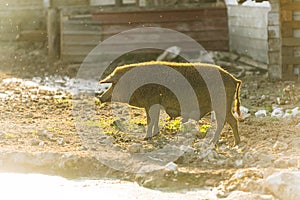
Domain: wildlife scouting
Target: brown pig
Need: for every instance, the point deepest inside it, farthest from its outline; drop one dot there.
(189, 90)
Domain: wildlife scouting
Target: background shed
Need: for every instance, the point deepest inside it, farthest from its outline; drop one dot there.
(73, 28)
(82, 29)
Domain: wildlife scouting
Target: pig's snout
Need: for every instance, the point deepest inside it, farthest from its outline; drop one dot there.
(106, 95)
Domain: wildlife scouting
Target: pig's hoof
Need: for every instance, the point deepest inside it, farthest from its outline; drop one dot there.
(236, 143)
(147, 138)
(213, 142)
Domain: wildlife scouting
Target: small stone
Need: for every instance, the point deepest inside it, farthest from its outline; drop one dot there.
(83, 148)
(249, 73)
(60, 141)
(41, 143)
(248, 158)
(277, 112)
(211, 182)
(255, 85)
(261, 113)
(37, 79)
(29, 115)
(263, 97)
(186, 149)
(280, 101)
(244, 113)
(49, 136)
(252, 97)
(291, 112)
(135, 148)
(108, 140)
(171, 167)
(34, 142)
(238, 163)
(244, 110)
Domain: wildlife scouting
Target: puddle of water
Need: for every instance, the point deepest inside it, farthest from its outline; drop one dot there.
(37, 186)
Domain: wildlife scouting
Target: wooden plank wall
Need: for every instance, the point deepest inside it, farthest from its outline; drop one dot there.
(79, 35)
(208, 26)
(290, 30)
(248, 33)
(17, 16)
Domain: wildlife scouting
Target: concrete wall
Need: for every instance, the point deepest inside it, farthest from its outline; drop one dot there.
(248, 30)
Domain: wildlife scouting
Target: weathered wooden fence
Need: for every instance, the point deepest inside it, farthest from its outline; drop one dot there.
(82, 31)
(79, 34)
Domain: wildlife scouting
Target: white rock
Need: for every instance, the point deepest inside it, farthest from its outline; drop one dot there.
(261, 113)
(11, 80)
(284, 185)
(60, 141)
(244, 113)
(296, 111)
(37, 79)
(29, 84)
(187, 149)
(171, 167)
(277, 112)
(244, 110)
(3, 96)
(238, 163)
(42, 143)
(288, 113)
(248, 195)
(263, 97)
(47, 88)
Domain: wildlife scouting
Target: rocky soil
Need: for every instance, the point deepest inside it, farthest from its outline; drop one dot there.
(40, 133)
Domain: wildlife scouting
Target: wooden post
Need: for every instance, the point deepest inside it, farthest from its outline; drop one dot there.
(137, 3)
(53, 34)
(274, 41)
(119, 3)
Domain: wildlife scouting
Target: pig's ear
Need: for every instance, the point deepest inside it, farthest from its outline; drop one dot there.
(108, 79)
(115, 76)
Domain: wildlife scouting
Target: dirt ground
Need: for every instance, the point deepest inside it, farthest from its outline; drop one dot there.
(37, 121)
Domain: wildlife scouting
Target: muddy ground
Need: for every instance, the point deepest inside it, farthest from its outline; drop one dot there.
(38, 132)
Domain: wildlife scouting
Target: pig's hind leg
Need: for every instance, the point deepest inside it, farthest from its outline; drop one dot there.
(152, 120)
(232, 121)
